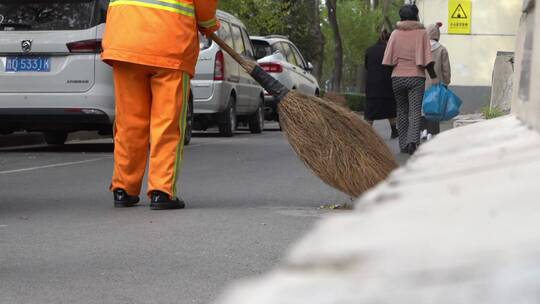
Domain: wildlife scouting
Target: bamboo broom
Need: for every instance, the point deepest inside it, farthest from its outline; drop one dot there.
(334, 142)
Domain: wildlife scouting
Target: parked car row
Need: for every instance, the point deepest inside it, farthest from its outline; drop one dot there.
(53, 81)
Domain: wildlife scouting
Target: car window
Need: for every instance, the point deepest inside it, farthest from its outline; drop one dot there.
(53, 15)
(224, 32)
(262, 48)
(238, 41)
(298, 56)
(247, 43)
(101, 11)
(278, 47)
(204, 42)
(287, 52)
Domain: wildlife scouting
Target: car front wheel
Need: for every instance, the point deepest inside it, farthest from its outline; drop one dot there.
(227, 126)
(256, 120)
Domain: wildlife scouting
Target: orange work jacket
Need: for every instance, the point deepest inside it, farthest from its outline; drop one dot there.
(159, 33)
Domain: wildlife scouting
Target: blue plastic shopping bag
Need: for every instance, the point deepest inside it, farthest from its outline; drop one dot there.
(440, 104)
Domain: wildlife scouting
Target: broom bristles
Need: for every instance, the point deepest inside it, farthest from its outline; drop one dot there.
(335, 143)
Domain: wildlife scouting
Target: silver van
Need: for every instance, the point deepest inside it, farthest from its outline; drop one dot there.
(223, 93)
(52, 79)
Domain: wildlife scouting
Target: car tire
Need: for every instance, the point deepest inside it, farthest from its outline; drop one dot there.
(188, 132)
(55, 138)
(227, 125)
(256, 120)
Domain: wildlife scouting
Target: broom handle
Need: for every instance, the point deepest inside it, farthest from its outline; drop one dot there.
(269, 83)
(230, 51)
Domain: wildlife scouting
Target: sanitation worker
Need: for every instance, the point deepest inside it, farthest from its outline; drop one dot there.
(152, 46)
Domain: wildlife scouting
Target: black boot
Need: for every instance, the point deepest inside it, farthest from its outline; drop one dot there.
(162, 201)
(123, 200)
(411, 148)
(395, 133)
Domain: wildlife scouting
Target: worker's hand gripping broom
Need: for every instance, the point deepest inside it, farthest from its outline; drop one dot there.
(334, 142)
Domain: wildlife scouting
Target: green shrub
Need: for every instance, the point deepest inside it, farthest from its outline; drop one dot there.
(490, 113)
(356, 102)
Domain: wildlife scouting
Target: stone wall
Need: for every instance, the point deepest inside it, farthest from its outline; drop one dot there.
(494, 28)
(503, 82)
(526, 102)
(458, 224)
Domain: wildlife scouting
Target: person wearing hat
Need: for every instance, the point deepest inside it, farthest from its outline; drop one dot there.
(409, 54)
(442, 69)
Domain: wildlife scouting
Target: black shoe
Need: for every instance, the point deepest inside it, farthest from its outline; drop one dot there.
(162, 201)
(395, 133)
(123, 200)
(411, 148)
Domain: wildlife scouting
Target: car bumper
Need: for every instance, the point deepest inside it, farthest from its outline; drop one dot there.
(92, 110)
(48, 119)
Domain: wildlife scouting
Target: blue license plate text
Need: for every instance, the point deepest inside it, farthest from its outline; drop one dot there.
(28, 64)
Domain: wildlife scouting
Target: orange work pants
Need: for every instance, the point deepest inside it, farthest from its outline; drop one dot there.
(151, 106)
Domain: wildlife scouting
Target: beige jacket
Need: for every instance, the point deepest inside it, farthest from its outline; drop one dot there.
(442, 64)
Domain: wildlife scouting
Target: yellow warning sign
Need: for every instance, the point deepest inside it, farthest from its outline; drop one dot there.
(459, 17)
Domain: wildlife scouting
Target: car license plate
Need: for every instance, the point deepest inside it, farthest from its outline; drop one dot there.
(28, 64)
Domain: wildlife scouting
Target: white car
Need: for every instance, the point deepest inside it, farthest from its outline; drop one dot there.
(278, 56)
(52, 79)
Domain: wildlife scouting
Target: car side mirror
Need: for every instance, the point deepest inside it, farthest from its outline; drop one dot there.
(309, 67)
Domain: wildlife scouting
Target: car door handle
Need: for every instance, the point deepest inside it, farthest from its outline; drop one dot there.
(234, 79)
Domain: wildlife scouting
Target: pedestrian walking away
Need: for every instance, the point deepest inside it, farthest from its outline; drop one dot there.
(442, 69)
(409, 53)
(380, 101)
(152, 47)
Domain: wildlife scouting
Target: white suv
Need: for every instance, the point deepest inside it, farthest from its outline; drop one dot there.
(282, 59)
(52, 79)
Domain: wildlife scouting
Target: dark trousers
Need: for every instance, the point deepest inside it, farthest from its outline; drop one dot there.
(432, 127)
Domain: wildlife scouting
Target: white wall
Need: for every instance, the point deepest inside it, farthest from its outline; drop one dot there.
(527, 106)
(494, 28)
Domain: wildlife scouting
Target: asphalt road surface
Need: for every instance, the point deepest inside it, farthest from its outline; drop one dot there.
(61, 241)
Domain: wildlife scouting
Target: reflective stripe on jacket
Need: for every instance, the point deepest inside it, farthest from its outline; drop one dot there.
(160, 33)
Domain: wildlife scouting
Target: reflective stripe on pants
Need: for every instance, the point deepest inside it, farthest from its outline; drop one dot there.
(151, 105)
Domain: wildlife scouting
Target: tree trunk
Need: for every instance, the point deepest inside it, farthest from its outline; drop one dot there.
(385, 9)
(318, 52)
(338, 57)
